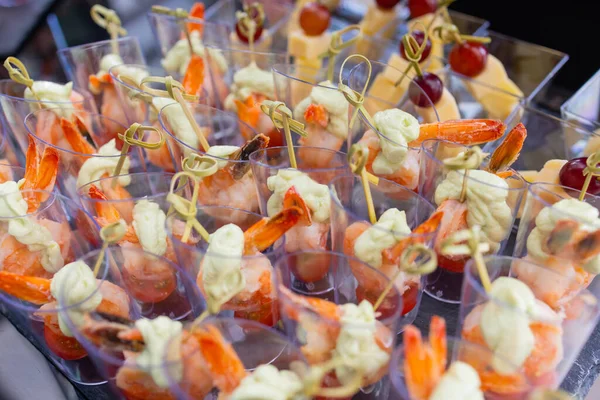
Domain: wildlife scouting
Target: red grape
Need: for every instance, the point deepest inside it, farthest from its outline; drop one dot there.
(314, 18)
(431, 84)
(421, 7)
(468, 58)
(255, 15)
(571, 175)
(387, 4)
(419, 37)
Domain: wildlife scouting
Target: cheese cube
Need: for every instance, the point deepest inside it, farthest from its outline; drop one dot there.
(376, 19)
(382, 89)
(308, 47)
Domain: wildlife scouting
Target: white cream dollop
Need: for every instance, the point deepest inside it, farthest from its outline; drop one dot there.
(314, 194)
(94, 168)
(486, 203)
(400, 128)
(25, 230)
(109, 61)
(178, 57)
(149, 226)
(505, 323)
(135, 73)
(334, 102)
(75, 284)
(222, 151)
(53, 95)
(222, 276)
(268, 383)
(387, 232)
(580, 211)
(249, 80)
(356, 344)
(160, 333)
(459, 382)
(182, 129)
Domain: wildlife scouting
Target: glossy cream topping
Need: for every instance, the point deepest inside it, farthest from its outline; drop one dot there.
(356, 344)
(109, 61)
(580, 211)
(268, 383)
(52, 95)
(76, 290)
(387, 232)
(222, 151)
(334, 102)
(178, 57)
(459, 382)
(94, 168)
(486, 203)
(25, 230)
(149, 226)
(222, 276)
(182, 129)
(249, 80)
(314, 194)
(160, 333)
(135, 73)
(400, 128)
(505, 323)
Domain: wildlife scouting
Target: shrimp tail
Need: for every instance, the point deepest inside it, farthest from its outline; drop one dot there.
(113, 332)
(508, 151)
(40, 173)
(293, 199)
(431, 225)
(322, 307)
(28, 288)
(75, 137)
(239, 169)
(197, 12)
(194, 75)
(466, 131)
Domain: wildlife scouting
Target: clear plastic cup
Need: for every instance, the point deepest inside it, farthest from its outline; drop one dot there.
(137, 282)
(14, 108)
(581, 108)
(254, 345)
(8, 155)
(445, 282)
(274, 36)
(70, 164)
(256, 301)
(76, 233)
(80, 62)
(478, 357)
(314, 330)
(559, 335)
(349, 219)
(10, 172)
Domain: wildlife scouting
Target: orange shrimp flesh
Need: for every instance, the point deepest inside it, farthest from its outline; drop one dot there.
(28, 288)
(424, 363)
(568, 241)
(508, 151)
(194, 75)
(321, 307)
(225, 367)
(249, 112)
(317, 114)
(97, 82)
(107, 213)
(197, 12)
(454, 220)
(468, 131)
(40, 173)
(75, 137)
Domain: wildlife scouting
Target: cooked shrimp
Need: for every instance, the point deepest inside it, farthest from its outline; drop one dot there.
(48, 123)
(249, 112)
(317, 120)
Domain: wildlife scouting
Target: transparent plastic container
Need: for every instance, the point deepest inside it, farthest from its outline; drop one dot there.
(583, 107)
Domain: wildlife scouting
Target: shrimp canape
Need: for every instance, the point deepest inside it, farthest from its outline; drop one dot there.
(447, 368)
(234, 269)
(488, 197)
(343, 328)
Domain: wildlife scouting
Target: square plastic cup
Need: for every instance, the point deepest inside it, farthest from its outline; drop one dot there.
(480, 358)
(76, 233)
(310, 325)
(558, 334)
(134, 284)
(275, 32)
(583, 108)
(80, 62)
(14, 108)
(445, 282)
(257, 301)
(349, 216)
(71, 171)
(254, 345)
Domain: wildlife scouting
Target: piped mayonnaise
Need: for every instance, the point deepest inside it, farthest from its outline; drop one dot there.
(94, 168)
(314, 194)
(334, 102)
(35, 236)
(149, 226)
(135, 73)
(55, 96)
(400, 128)
(75, 284)
(580, 211)
(109, 61)
(182, 129)
(459, 382)
(249, 80)
(178, 57)
(387, 232)
(268, 383)
(356, 344)
(486, 203)
(160, 333)
(222, 276)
